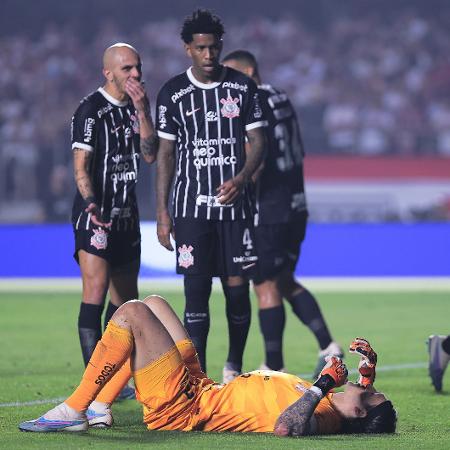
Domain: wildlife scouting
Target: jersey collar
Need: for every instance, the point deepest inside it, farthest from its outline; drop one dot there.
(201, 85)
(111, 99)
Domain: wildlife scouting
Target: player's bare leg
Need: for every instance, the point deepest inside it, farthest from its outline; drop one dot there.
(135, 332)
(271, 322)
(238, 312)
(122, 287)
(95, 279)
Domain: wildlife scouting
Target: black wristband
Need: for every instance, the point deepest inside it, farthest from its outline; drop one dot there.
(89, 200)
(325, 383)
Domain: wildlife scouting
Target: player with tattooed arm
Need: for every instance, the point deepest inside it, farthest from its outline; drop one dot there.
(177, 395)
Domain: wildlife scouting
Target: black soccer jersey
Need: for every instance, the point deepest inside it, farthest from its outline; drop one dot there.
(209, 123)
(280, 189)
(110, 130)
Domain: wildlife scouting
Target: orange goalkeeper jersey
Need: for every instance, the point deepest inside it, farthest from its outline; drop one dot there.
(250, 403)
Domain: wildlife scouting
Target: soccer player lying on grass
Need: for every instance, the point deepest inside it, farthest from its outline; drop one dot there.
(146, 339)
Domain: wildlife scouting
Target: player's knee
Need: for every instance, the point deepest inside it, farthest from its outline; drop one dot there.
(131, 309)
(155, 299)
(268, 295)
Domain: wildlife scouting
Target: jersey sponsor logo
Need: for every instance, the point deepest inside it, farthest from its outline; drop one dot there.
(121, 213)
(135, 123)
(185, 257)
(192, 111)
(123, 167)
(199, 142)
(99, 239)
(88, 127)
(162, 116)
(231, 85)
(106, 372)
(257, 112)
(127, 132)
(245, 259)
(104, 110)
(230, 109)
(211, 200)
(182, 92)
(207, 159)
(211, 116)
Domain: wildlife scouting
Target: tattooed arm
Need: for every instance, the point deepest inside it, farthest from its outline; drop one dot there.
(297, 419)
(81, 161)
(230, 189)
(164, 176)
(149, 140)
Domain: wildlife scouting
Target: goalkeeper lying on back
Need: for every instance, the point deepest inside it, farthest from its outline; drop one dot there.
(146, 340)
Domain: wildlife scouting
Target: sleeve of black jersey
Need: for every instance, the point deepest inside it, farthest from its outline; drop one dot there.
(253, 112)
(166, 126)
(84, 127)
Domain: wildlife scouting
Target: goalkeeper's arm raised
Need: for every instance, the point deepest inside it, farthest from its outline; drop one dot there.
(297, 419)
(367, 363)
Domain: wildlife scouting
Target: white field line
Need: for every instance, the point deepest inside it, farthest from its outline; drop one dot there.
(391, 368)
(317, 284)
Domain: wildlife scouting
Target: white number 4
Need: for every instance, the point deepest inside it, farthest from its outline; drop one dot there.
(247, 239)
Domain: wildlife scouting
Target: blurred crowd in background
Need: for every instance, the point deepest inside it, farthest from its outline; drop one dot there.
(379, 85)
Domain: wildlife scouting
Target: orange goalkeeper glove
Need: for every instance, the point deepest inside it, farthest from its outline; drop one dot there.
(368, 362)
(334, 374)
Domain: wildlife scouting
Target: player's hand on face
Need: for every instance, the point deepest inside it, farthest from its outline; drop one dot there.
(135, 89)
(230, 190)
(164, 229)
(96, 216)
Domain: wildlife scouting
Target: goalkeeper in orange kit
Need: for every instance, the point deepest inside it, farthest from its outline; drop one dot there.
(146, 340)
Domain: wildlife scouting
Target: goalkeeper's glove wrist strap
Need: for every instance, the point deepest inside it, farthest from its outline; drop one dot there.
(325, 383)
(316, 391)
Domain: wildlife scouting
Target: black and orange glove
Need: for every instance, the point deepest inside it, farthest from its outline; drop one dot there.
(368, 362)
(334, 374)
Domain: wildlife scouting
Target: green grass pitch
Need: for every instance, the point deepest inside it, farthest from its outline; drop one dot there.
(41, 360)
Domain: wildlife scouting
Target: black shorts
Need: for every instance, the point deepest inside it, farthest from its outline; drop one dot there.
(117, 247)
(278, 248)
(214, 248)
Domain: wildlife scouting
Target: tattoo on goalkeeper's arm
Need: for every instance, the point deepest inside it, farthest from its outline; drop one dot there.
(298, 418)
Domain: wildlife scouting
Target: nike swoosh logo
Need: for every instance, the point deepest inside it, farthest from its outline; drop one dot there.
(248, 266)
(189, 113)
(115, 130)
(194, 320)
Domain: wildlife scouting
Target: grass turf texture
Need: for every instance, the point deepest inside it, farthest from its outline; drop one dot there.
(41, 360)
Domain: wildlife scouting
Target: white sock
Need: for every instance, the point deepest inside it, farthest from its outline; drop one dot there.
(99, 407)
(64, 412)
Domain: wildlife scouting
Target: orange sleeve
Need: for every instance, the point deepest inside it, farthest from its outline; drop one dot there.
(328, 420)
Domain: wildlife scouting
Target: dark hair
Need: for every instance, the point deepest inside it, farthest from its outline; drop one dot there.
(201, 21)
(243, 56)
(380, 419)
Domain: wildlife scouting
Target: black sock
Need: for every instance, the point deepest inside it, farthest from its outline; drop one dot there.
(271, 322)
(89, 328)
(238, 310)
(307, 310)
(110, 310)
(197, 290)
(446, 345)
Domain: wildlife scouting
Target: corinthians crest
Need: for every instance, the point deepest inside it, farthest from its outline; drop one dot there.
(230, 108)
(186, 258)
(100, 239)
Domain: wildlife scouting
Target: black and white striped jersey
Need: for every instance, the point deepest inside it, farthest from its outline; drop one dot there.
(280, 189)
(208, 123)
(110, 130)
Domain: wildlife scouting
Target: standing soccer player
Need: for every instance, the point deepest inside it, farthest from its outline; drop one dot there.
(281, 224)
(111, 129)
(204, 115)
